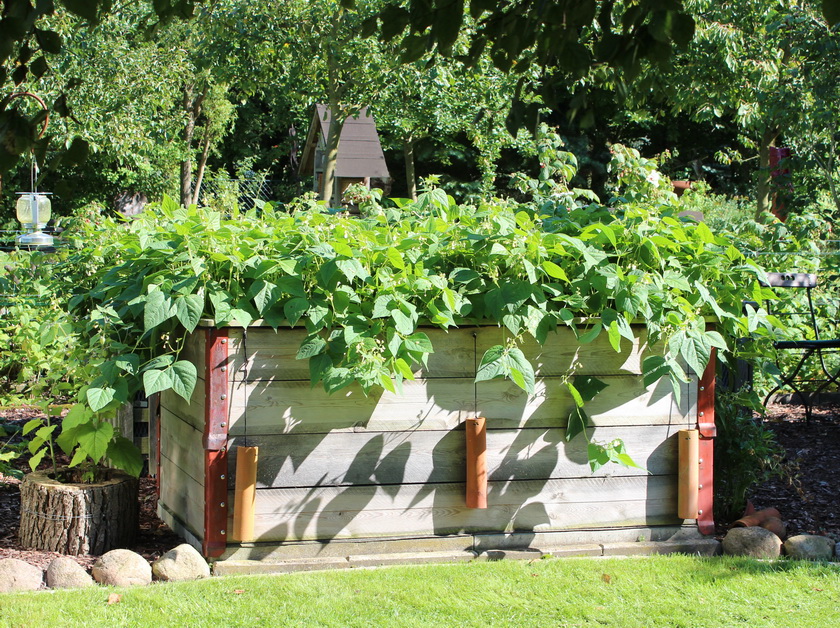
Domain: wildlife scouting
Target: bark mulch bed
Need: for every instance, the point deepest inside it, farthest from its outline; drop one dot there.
(809, 504)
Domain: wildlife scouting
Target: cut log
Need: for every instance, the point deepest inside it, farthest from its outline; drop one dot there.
(78, 518)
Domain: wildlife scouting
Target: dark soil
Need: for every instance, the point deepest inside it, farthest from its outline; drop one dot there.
(809, 502)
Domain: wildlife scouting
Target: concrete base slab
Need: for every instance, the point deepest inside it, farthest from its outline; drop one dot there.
(350, 555)
(700, 547)
(241, 567)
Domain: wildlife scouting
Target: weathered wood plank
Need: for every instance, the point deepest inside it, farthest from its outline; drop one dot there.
(562, 354)
(194, 350)
(183, 444)
(625, 401)
(182, 494)
(193, 411)
(271, 354)
(295, 407)
(375, 511)
(363, 458)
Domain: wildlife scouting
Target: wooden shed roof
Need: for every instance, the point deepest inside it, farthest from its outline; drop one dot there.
(359, 151)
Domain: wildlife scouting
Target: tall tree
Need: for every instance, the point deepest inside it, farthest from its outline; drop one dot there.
(28, 39)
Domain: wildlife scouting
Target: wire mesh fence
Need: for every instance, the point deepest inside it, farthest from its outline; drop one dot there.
(244, 194)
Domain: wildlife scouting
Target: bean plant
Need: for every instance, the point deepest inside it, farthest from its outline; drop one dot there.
(364, 287)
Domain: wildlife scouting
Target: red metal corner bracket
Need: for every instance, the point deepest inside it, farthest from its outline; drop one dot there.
(708, 431)
(216, 419)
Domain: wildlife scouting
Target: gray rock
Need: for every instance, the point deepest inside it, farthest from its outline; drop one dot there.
(182, 563)
(753, 541)
(809, 547)
(122, 568)
(17, 575)
(66, 573)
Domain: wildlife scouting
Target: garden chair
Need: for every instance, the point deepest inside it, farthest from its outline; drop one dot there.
(812, 345)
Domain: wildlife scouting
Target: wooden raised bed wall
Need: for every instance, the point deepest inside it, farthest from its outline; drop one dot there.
(350, 466)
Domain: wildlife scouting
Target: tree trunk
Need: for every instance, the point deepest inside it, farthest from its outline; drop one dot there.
(78, 518)
(328, 190)
(410, 174)
(764, 202)
(192, 107)
(202, 164)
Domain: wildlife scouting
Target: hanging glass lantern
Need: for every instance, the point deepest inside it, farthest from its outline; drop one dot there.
(34, 210)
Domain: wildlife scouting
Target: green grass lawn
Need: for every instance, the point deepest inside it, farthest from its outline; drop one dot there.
(644, 592)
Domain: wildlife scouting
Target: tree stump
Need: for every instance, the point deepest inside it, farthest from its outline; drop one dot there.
(78, 518)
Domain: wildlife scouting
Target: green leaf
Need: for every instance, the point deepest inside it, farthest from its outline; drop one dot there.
(77, 414)
(88, 9)
(614, 336)
(94, 438)
(402, 322)
(184, 377)
(35, 460)
(188, 310)
(590, 335)
(294, 309)
(337, 378)
(311, 346)
(128, 362)
(69, 438)
(395, 258)
(404, 369)
(576, 423)
(696, 350)
(521, 370)
(491, 364)
(155, 380)
(554, 271)
(125, 455)
(597, 455)
(654, 367)
(99, 397)
(156, 310)
(32, 424)
(588, 387)
(419, 342)
(78, 457)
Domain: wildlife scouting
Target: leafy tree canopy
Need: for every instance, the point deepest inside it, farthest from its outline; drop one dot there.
(567, 39)
(27, 37)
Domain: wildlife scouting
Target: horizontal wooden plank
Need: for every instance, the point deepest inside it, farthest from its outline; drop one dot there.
(378, 511)
(562, 354)
(296, 407)
(182, 444)
(271, 354)
(364, 458)
(183, 495)
(625, 401)
(194, 350)
(191, 412)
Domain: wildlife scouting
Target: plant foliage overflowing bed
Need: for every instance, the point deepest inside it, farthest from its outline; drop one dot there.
(363, 288)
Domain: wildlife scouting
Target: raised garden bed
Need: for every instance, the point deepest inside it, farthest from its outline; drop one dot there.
(389, 467)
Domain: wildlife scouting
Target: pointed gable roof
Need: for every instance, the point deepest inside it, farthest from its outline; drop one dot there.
(359, 150)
